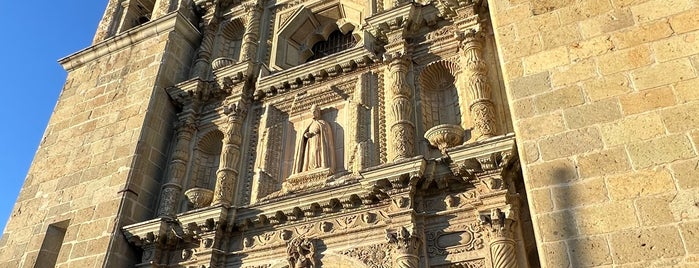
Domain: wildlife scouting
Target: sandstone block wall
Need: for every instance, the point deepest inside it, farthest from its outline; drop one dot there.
(98, 166)
(605, 100)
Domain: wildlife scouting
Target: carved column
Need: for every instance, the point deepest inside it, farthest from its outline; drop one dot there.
(502, 243)
(172, 190)
(252, 31)
(227, 172)
(208, 26)
(405, 245)
(401, 106)
(476, 77)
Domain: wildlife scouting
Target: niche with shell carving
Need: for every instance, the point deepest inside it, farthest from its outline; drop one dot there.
(228, 44)
(202, 173)
(442, 113)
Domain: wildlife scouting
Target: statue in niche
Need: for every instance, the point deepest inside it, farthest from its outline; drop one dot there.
(315, 149)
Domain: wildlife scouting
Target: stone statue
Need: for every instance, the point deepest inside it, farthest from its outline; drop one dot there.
(315, 149)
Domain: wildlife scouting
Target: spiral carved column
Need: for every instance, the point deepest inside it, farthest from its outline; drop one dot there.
(402, 128)
(502, 243)
(227, 172)
(476, 77)
(172, 190)
(252, 31)
(405, 244)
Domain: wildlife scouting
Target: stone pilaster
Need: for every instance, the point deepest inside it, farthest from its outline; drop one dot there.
(401, 126)
(172, 190)
(477, 88)
(227, 172)
(252, 31)
(502, 244)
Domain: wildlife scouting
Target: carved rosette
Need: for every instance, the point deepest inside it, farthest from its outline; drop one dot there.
(402, 128)
(252, 30)
(405, 244)
(169, 195)
(227, 172)
(476, 77)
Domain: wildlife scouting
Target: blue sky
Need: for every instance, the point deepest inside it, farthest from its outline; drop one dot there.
(35, 34)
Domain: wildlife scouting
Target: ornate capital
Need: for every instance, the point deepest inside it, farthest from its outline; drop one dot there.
(500, 223)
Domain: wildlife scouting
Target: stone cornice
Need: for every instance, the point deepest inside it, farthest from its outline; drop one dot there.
(317, 70)
(171, 22)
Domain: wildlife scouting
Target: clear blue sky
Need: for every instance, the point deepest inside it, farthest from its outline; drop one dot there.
(35, 34)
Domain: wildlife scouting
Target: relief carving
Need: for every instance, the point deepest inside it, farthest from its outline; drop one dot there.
(301, 253)
(454, 240)
(375, 256)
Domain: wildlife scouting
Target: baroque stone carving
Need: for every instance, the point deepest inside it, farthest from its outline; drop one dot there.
(375, 256)
(405, 244)
(301, 253)
(170, 193)
(227, 173)
(476, 75)
(457, 239)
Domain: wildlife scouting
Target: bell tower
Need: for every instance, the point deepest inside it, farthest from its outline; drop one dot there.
(101, 161)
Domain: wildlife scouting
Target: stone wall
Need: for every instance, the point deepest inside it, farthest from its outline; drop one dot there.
(99, 164)
(605, 96)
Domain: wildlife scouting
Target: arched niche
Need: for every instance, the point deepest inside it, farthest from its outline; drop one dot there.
(309, 25)
(207, 155)
(440, 99)
(229, 40)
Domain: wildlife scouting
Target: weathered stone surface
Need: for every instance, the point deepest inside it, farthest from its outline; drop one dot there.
(685, 206)
(559, 99)
(605, 218)
(559, 225)
(608, 86)
(598, 112)
(646, 244)
(589, 252)
(681, 117)
(532, 128)
(603, 163)
(690, 233)
(608, 22)
(632, 129)
(624, 60)
(551, 173)
(641, 34)
(662, 74)
(647, 100)
(586, 192)
(555, 254)
(655, 210)
(570, 143)
(660, 151)
(530, 85)
(686, 173)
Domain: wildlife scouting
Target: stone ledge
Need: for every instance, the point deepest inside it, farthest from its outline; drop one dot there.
(171, 22)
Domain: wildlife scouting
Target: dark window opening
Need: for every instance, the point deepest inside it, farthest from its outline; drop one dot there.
(336, 42)
(51, 247)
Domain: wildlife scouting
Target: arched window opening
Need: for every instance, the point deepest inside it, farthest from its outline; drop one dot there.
(337, 41)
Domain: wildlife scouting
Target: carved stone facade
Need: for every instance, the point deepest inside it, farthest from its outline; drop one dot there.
(347, 133)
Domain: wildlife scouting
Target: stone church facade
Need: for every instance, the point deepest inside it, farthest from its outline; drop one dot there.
(382, 133)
